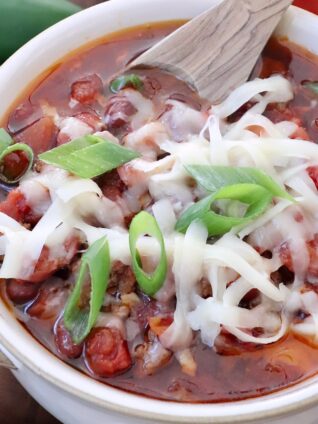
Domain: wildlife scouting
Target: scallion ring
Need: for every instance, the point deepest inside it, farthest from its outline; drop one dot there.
(145, 224)
(254, 196)
(212, 178)
(124, 81)
(95, 266)
(88, 156)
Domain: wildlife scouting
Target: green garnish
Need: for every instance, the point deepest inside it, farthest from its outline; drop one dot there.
(79, 319)
(312, 85)
(5, 140)
(255, 197)
(7, 146)
(124, 81)
(145, 224)
(212, 178)
(239, 195)
(88, 156)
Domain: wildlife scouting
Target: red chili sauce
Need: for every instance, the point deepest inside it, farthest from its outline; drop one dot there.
(233, 370)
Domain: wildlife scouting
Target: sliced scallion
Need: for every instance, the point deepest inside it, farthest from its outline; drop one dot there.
(5, 140)
(256, 197)
(124, 81)
(145, 224)
(79, 316)
(312, 85)
(6, 148)
(212, 178)
(88, 156)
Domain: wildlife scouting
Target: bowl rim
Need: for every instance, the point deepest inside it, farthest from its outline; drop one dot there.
(297, 398)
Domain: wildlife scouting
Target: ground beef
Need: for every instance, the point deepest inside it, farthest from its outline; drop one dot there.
(122, 279)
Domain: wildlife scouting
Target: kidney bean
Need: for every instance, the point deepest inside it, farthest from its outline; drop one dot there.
(118, 112)
(64, 342)
(40, 136)
(90, 119)
(20, 291)
(106, 352)
(23, 116)
(49, 301)
(86, 89)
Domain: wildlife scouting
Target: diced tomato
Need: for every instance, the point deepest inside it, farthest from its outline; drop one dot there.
(86, 89)
(41, 135)
(47, 266)
(64, 342)
(20, 291)
(49, 302)
(106, 352)
(15, 206)
(159, 324)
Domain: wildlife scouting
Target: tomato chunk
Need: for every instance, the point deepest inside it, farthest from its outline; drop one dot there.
(106, 352)
(15, 206)
(47, 266)
(64, 342)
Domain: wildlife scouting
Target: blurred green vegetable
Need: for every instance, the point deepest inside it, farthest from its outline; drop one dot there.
(23, 19)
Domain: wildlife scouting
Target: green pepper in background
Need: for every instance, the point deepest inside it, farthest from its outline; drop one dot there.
(21, 20)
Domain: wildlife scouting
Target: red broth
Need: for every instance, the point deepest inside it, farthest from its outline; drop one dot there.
(233, 370)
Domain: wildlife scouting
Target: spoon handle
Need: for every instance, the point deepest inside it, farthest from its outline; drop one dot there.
(216, 51)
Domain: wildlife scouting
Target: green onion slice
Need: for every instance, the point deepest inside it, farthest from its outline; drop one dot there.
(5, 140)
(6, 148)
(255, 197)
(212, 178)
(88, 156)
(131, 80)
(79, 319)
(145, 224)
(312, 85)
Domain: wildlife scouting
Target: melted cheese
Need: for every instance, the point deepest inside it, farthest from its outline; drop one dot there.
(232, 265)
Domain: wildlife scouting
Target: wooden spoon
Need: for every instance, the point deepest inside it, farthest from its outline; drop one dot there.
(216, 51)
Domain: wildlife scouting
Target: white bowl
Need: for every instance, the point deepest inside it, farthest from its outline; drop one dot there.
(68, 394)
